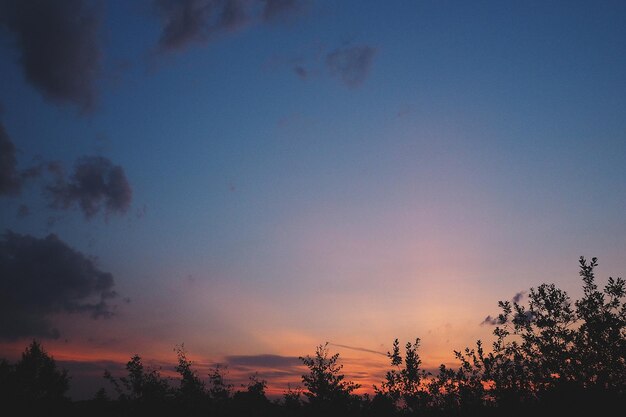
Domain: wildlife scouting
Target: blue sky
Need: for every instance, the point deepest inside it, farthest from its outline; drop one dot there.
(455, 154)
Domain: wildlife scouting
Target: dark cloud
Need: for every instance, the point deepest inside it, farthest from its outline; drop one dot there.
(351, 64)
(490, 321)
(32, 172)
(11, 178)
(188, 21)
(493, 321)
(524, 317)
(191, 21)
(95, 183)
(277, 8)
(56, 169)
(518, 297)
(44, 277)
(10, 181)
(58, 46)
(263, 361)
(234, 14)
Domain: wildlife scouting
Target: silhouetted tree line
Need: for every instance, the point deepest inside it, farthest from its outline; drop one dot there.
(552, 357)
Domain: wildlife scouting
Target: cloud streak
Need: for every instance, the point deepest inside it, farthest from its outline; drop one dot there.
(281, 370)
(263, 361)
(41, 277)
(58, 47)
(360, 349)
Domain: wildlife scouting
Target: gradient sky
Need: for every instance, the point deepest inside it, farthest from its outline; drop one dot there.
(307, 171)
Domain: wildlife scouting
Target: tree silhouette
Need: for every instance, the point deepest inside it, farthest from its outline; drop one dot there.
(37, 377)
(463, 389)
(142, 386)
(34, 382)
(403, 385)
(252, 401)
(192, 390)
(292, 401)
(219, 390)
(326, 388)
(550, 356)
(601, 338)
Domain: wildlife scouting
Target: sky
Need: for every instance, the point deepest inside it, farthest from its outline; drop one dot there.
(253, 178)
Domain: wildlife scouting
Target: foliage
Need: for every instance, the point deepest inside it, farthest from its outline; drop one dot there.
(218, 389)
(404, 385)
(191, 389)
(550, 351)
(600, 342)
(292, 399)
(252, 400)
(326, 386)
(35, 377)
(34, 383)
(141, 385)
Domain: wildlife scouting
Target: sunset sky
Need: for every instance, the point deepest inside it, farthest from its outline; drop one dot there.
(255, 177)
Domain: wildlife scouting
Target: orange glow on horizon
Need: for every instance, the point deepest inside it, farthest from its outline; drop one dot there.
(366, 368)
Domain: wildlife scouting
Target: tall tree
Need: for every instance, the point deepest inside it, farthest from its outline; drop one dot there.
(37, 377)
(601, 337)
(403, 385)
(326, 387)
